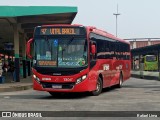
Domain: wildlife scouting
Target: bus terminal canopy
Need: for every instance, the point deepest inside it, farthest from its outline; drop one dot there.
(152, 49)
(27, 17)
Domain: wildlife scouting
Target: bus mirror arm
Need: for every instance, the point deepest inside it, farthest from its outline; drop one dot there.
(29, 48)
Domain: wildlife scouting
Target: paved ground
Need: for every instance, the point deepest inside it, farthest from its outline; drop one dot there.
(9, 85)
(26, 83)
(154, 75)
(136, 95)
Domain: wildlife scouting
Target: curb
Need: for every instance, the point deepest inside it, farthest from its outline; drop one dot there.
(145, 77)
(16, 88)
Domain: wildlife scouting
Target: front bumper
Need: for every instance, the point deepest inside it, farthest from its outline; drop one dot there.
(62, 87)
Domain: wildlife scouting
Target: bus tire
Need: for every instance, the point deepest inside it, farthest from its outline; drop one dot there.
(98, 87)
(120, 81)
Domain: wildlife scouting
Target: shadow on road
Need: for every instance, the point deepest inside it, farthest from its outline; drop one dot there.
(67, 96)
(47, 96)
(141, 86)
(110, 89)
(77, 95)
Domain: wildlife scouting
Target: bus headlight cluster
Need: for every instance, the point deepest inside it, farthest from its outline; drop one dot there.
(81, 79)
(36, 78)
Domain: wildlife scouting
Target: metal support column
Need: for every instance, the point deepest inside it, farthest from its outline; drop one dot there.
(24, 56)
(29, 67)
(16, 52)
(24, 68)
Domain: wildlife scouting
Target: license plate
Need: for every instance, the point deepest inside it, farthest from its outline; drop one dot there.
(57, 86)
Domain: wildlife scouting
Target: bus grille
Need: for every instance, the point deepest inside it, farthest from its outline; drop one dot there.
(59, 85)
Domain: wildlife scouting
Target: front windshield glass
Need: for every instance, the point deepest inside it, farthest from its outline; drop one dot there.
(151, 58)
(61, 52)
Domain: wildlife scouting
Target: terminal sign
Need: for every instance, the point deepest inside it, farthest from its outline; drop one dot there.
(59, 31)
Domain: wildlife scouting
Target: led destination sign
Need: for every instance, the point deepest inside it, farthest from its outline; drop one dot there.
(47, 63)
(60, 31)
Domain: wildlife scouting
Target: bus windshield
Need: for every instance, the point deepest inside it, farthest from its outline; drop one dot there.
(61, 52)
(151, 58)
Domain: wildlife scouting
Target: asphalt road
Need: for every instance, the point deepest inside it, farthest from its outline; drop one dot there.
(135, 95)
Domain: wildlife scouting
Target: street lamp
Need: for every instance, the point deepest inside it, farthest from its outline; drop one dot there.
(116, 14)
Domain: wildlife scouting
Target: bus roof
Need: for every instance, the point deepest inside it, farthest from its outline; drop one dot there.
(106, 34)
(92, 29)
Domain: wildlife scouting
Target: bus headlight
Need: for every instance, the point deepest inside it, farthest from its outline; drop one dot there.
(36, 78)
(81, 79)
(84, 77)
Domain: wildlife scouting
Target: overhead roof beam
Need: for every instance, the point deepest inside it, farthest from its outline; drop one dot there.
(12, 20)
(28, 30)
(43, 18)
(32, 25)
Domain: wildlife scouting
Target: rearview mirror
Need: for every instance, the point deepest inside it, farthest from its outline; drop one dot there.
(28, 50)
(93, 49)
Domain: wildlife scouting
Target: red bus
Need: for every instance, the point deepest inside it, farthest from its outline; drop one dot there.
(76, 58)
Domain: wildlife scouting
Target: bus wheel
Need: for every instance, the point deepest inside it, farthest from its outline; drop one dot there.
(98, 87)
(120, 81)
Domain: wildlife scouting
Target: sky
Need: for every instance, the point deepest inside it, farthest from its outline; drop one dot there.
(137, 19)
